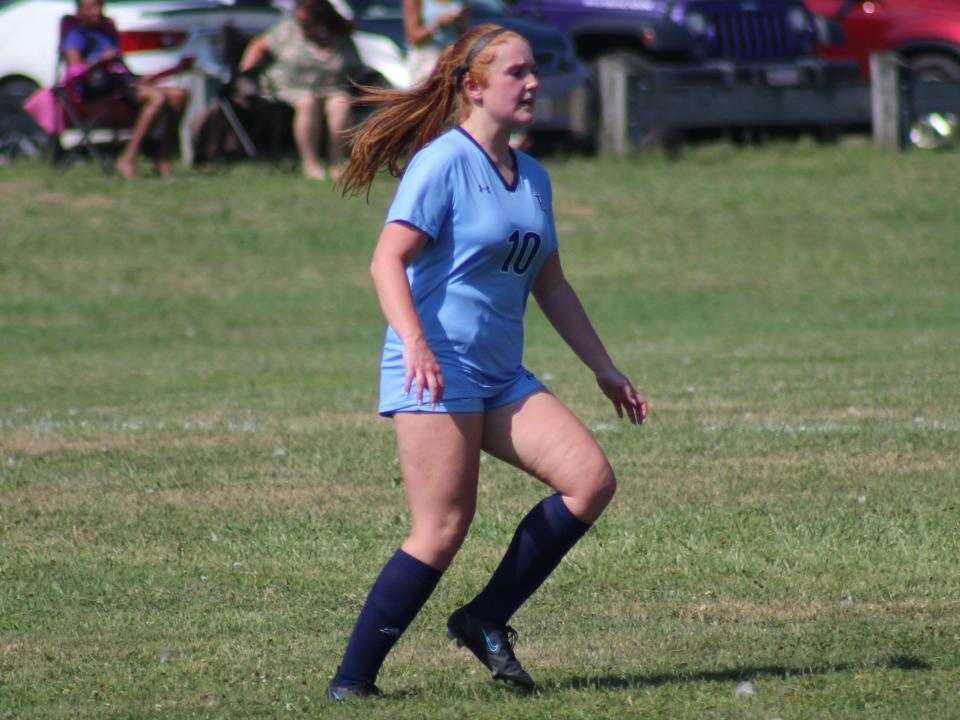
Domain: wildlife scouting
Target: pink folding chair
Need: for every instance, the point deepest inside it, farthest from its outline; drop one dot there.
(70, 104)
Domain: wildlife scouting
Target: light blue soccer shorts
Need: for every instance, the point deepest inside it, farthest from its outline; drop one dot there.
(524, 383)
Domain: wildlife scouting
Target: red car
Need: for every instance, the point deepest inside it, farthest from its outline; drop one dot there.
(925, 32)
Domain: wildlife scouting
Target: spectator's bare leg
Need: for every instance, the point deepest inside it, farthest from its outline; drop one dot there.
(175, 100)
(150, 100)
(337, 111)
(306, 132)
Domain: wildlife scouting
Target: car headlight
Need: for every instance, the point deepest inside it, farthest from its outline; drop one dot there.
(696, 23)
(797, 19)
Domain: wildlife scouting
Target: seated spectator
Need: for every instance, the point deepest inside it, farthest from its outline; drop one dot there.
(312, 58)
(93, 40)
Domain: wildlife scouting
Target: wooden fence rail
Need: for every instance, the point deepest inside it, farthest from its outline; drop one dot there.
(889, 103)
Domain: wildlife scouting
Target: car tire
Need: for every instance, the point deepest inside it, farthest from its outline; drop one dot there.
(15, 90)
(934, 130)
(20, 137)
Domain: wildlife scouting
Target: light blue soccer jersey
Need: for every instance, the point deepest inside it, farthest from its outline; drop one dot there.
(471, 281)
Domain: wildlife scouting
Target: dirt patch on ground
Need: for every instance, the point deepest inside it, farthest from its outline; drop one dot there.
(716, 613)
(583, 211)
(76, 201)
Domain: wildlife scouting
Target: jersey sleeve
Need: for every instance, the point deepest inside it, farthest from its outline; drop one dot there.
(424, 196)
(74, 41)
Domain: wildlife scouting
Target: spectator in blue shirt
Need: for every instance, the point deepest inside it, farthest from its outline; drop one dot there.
(92, 44)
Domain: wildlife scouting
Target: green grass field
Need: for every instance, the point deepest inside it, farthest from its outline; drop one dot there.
(196, 491)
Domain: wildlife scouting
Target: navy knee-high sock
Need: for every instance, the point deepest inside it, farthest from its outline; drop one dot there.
(541, 540)
(396, 597)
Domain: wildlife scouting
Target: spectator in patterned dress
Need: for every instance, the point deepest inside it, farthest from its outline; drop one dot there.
(313, 56)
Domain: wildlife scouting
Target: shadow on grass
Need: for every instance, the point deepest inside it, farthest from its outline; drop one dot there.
(615, 682)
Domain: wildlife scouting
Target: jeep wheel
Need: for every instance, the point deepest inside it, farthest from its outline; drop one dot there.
(644, 73)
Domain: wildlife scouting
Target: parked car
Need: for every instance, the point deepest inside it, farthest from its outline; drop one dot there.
(155, 34)
(925, 32)
(559, 69)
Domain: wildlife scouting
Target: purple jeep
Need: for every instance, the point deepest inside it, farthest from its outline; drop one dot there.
(734, 39)
(696, 42)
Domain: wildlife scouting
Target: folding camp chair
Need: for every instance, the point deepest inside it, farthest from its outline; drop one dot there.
(67, 106)
(240, 122)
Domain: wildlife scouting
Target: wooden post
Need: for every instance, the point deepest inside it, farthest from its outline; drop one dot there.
(886, 101)
(613, 103)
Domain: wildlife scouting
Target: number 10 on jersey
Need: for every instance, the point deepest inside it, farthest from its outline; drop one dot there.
(522, 252)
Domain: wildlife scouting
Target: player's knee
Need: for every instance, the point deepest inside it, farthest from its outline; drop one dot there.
(446, 535)
(610, 485)
(602, 485)
(596, 487)
(590, 490)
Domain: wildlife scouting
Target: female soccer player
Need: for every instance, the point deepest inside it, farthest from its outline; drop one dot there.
(469, 234)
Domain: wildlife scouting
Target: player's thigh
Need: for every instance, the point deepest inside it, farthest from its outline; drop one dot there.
(440, 462)
(542, 436)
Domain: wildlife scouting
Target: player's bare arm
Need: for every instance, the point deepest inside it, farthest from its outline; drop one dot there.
(559, 302)
(397, 247)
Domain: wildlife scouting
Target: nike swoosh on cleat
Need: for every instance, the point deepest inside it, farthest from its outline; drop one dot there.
(491, 645)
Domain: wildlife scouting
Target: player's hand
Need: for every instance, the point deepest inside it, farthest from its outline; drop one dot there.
(423, 370)
(618, 388)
